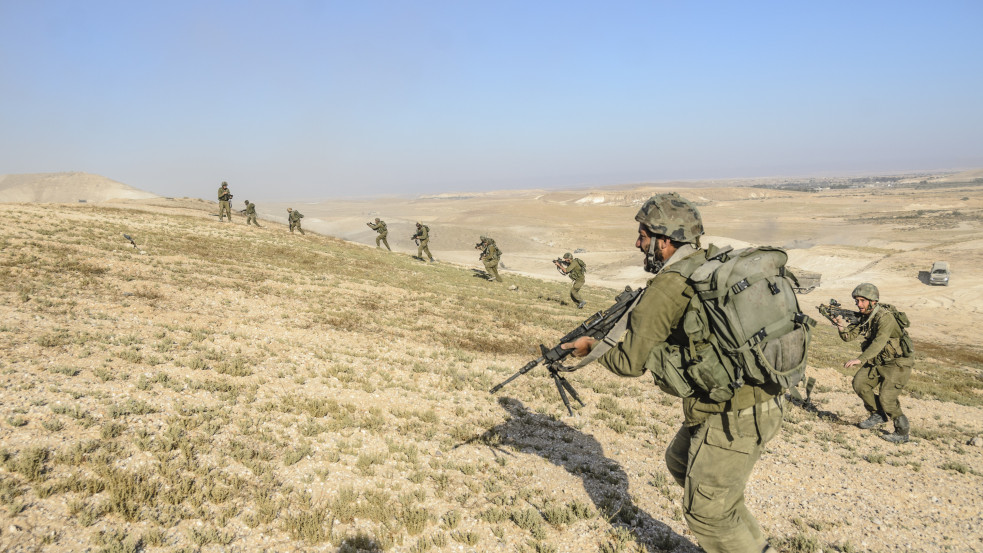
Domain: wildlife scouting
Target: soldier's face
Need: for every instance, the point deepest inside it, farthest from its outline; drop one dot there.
(643, 239)
(863, 304)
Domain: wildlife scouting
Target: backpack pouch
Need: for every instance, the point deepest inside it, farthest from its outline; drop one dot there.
(665, 362)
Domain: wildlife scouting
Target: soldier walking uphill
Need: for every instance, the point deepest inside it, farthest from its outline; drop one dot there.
(294, 217)
(490, 256)
(422, 238)
(224, 197)
(575, 269)
(713, 453)
(251, 213)
(380, 227)
(885, 366)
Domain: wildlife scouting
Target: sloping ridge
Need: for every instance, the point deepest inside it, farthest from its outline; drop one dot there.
(65, 188)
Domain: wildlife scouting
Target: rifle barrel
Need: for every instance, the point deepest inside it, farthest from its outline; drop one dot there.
(528, 367)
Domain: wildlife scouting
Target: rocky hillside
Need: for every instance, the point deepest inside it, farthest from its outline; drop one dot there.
(218, 387)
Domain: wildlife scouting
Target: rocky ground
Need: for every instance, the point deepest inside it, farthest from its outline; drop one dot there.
(224, 388)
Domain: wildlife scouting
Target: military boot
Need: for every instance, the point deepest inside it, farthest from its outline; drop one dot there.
(875, 419)
(901, 429)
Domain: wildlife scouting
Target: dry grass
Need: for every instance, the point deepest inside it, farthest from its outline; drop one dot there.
(246, 389)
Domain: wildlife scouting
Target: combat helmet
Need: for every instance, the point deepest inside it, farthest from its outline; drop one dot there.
(673, 216)
(867, 291)
(568, 255)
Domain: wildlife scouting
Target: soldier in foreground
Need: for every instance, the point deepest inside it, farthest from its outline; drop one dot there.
(294, 217)
(422, 238)
(224, 199)
(575, 269)
(251, 214)
(380, 227)
(884, 370)
(490, 257)
(714, 452)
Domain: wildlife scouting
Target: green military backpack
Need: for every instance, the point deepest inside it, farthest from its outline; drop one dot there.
(743, 324)
(907, 346)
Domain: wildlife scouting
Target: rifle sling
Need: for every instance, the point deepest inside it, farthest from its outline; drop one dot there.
(610, 339)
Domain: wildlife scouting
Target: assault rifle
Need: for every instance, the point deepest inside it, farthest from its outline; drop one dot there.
(596, 326)
(560, 261)
(835, 309)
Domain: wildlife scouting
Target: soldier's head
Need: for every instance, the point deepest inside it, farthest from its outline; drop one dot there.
(289, 209)
(224, 184)
(247, 202)
(665, 223)
(865, 295)
(418, 224)
(568, 256)
(377, 219)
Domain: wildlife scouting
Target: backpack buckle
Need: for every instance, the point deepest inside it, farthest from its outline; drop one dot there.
(774, 288)
(740, 286)
(758, 337)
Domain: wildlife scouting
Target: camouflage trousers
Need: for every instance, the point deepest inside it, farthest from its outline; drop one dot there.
(575, 290)
(224, 209)
(713, 461)
(251, 219)
(880, 386)
(296, 226)
(424, 248)
(491, 267)
(382, 238)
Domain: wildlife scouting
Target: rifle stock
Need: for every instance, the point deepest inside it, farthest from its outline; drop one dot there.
(596, 326)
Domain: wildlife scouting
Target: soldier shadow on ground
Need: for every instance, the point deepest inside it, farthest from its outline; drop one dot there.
(581, 455)
(808, 405)
(478, 273)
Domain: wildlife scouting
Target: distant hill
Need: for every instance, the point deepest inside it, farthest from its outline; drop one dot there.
(65, 188)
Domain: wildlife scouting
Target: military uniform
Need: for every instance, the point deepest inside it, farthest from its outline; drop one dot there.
(251, 213)
(224, 202)
(294, 217)
(490, 257)
(577, 272)
(714, 451)
(422, 237)
(380, 227)
(884, 372)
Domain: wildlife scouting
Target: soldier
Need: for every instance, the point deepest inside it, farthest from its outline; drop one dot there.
(884, 372)
(224, 197)
(422, 238)
(575, 269)
(714, 451)
(251, 213)
(490, 256)
(380, 227)
(294, 217)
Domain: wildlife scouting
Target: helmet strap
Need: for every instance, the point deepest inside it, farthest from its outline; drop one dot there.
(652, 265)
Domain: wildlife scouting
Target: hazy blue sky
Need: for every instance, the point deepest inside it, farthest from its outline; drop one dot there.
(314, 99)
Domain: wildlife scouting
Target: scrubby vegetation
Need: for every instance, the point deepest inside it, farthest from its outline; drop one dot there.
(222, 386)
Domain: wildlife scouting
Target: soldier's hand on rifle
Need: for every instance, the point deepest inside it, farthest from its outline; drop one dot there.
(840, 322)
(581, 346)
